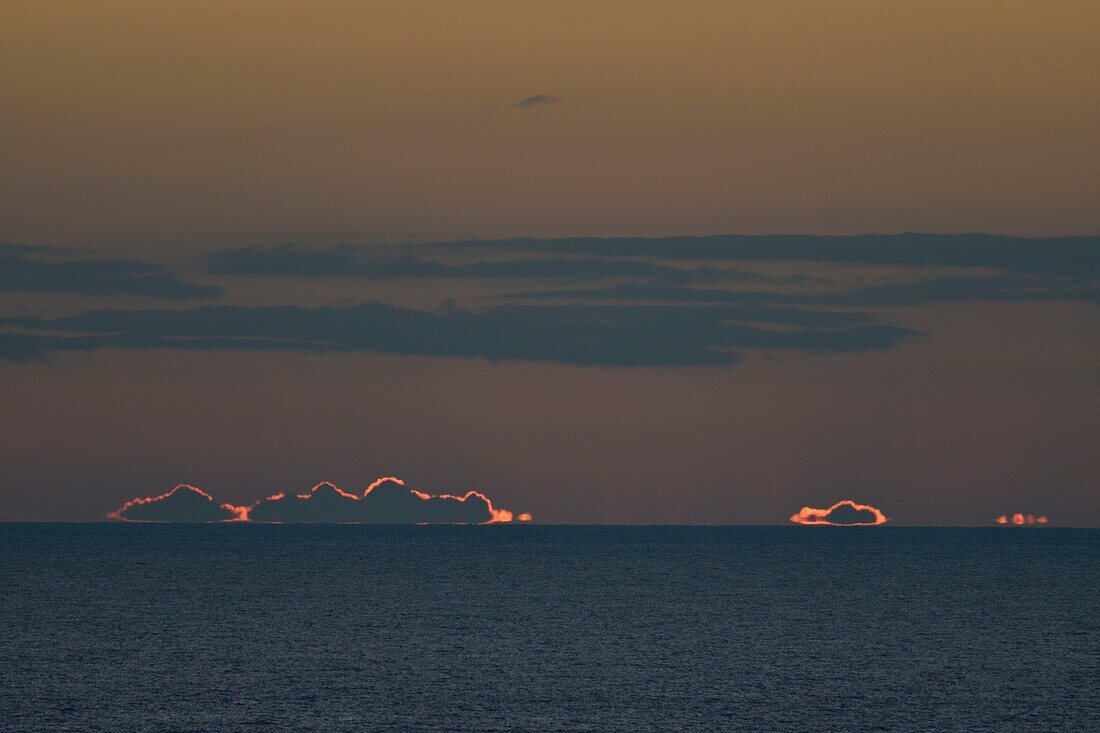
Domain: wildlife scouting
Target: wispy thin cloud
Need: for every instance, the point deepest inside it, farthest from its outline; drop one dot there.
(537, 101)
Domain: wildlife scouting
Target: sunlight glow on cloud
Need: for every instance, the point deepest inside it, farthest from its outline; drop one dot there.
(185, 503)
(845, 513)
(386, 501)
(1019, 519)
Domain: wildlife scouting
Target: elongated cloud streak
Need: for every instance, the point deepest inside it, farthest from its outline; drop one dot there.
(845, 513)
(347, 261)
(1062, 256)
(386, 501)
(536, 101)
(592, 335)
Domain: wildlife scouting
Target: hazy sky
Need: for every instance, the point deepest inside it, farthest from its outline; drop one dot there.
(253, 190)
(145, 123)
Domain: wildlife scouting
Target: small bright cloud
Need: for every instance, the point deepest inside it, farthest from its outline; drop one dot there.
(845, 513)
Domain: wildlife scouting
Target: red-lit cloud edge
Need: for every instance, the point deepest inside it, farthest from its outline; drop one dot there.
(810, 515)
(240, 513)
(141, 501)
(1020, 520)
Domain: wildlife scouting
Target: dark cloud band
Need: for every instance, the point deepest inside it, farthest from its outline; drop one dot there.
(299, 261)
(919, 292)
(1063, 256)
(25, 269)
(607, 335)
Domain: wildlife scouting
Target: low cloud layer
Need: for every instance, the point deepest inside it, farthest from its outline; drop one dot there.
(845, 513)
(386, 501)
(607, 335)
(43, 270)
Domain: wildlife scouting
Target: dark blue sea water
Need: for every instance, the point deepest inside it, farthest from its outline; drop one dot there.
(330, 628)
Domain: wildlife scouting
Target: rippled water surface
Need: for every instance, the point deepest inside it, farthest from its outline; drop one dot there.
(328, 628)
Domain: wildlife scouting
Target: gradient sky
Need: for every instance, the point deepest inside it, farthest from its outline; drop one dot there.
(287, 164)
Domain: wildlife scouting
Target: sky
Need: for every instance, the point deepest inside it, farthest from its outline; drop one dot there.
(601, 262)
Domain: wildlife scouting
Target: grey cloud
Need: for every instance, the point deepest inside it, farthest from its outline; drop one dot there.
(37, 249)
(536, 100)
(921, 292)
(606, 335)
(959, 290)
(292, 260)
(1062, 256)
(26, 269)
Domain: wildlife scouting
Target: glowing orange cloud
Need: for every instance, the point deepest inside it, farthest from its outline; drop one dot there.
(809, 515)
(385, 500)
(497, 516)
(388, 479)
(138, 501)
(325, 485)
(241, 512)
(197, 499)
(1020, 519)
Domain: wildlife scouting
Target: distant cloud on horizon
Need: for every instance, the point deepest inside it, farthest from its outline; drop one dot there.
(386, 501)
(184, 503)
(844, 513)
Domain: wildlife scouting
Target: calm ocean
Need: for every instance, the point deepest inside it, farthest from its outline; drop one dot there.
(112, 627)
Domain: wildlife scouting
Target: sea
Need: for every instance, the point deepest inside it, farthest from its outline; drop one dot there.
(244, 627)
